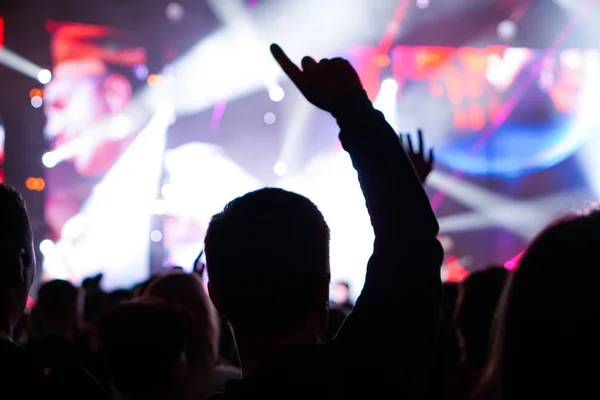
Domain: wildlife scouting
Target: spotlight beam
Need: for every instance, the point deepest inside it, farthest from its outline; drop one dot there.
(12, 60)
(523, 218)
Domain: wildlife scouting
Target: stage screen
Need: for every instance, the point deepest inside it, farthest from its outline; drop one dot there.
(97, 186)
(126, 173)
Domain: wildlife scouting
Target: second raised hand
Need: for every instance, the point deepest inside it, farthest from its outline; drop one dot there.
(321, 83)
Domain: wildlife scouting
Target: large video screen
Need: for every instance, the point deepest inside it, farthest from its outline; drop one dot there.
(125, 172)
(91, 181)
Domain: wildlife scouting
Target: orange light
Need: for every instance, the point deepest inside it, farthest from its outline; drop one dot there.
(381, 60)
(30, 183)
(154, 80)
(36, 184)
(35, 92)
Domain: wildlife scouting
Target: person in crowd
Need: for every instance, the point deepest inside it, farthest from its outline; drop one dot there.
(546, 345)
(56, 326)
(26, 374)
(267, 257)
(187, 291)
(55, 316)
(341, 295)
(475, 309)
(143, 345)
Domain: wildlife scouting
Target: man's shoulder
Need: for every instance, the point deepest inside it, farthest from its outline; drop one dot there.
(30, 373)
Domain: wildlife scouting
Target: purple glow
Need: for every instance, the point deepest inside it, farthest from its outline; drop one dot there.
(217, 115)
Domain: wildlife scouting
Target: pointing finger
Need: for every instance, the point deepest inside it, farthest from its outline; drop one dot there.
(287, 65)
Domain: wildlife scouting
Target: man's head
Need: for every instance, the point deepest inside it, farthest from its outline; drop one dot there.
(56, 311)
(143, 345)
(478, 297)
(341, 293)
(267, 256)
(17, 258)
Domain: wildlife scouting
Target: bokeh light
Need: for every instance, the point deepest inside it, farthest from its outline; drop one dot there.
(156, 236)
(44, 76)
(280, 168)
(49, 160)
(276, 93)
(36, 101)
(270, 118)
(46, 246)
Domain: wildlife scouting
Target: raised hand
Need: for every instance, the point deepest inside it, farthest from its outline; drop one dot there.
(321, 83)
(423, 165)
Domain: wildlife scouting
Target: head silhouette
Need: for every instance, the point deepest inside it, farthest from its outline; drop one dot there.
(187, 292)
(476, 305)
(143, 346)
(56, 311)
(17, 259)
(547, 343)
(267, 257)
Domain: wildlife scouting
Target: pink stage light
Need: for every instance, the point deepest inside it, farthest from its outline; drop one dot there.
(513, 263)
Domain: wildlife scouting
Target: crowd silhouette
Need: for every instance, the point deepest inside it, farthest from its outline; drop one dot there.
(264, 326)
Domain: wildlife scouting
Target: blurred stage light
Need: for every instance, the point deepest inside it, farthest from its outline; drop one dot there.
(276, 93)
(49, 160)
(156, 236)
(381, 60)
(270, 118)
(280, 168)
(174, 12)
(167, 191)
(46, 246)
(389, 84)
(35, 184)
(44, 76)
(140, 71)
(422, 4)
(154, 80)
(36, 101)
(387, 101)
(571, 58)
(160, 207)
(507, 30)
(74, 227)
(35, 92)
(121, 126)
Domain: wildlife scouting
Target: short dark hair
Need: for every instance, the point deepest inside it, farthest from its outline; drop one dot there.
(140, 343)
(15, 230)
(477, 301)
(266, 254)
(56, 299)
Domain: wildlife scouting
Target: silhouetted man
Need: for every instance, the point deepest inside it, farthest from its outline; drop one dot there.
(267, 256)
(24, 374)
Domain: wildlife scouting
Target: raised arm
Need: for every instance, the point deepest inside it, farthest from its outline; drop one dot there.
(393, 326)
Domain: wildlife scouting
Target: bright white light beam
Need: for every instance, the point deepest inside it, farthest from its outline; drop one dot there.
(12, 60)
